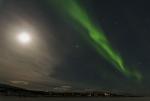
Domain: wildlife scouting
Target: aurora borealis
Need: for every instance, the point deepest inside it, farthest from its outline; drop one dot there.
(96, 36)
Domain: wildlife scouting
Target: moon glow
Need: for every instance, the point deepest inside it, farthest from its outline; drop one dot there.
(24, 37)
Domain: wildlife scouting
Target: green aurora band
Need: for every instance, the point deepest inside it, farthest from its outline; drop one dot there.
(95, 35)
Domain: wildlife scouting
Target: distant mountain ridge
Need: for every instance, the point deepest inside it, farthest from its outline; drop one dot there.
(8, 90)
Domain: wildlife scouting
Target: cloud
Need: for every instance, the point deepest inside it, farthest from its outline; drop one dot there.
(33, 63)
(63, 88)
(20, 82)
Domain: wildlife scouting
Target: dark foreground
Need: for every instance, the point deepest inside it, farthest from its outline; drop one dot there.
(73, 99)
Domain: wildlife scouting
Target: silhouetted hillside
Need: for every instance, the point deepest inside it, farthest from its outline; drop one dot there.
(7, 90)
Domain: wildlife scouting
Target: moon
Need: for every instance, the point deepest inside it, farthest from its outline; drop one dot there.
(24, 37)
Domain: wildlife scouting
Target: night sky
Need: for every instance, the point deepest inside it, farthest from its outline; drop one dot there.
(60, 58)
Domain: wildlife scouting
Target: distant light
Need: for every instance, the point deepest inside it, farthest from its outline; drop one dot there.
(24, 37)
